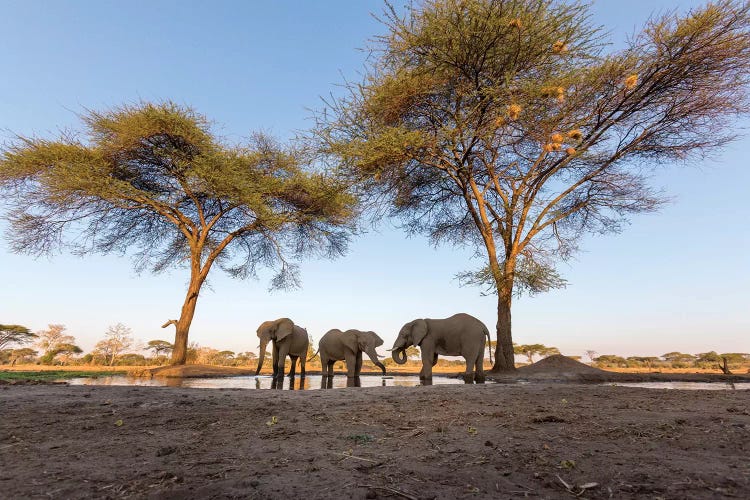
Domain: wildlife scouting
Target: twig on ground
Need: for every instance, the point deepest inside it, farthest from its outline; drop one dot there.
(385, 488)
(348, 455)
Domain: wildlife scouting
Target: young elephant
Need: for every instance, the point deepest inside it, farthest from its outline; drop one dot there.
(288, 339)
(349, 346)
(459, 335)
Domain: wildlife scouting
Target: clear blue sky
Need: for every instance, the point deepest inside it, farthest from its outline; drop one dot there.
(676, 280)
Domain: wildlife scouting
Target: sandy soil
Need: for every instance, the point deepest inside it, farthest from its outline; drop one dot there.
(539, 440)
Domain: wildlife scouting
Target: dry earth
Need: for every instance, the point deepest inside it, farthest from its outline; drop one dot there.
(540, 440)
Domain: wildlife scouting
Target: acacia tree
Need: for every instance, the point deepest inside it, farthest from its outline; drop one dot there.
(118, 338)
(152, 179)
(52, 340)
(529, 350)
(15, 334)
(159, 347)
(508, 126)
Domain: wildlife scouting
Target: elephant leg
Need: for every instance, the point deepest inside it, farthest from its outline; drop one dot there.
(434, 359)
(479, 369)
(469, 374)
(358, 365)
(302, 361)
(293, 368)
(351, 363)
(283, 353)
(275, 359)
(330, 368)
(427, 358)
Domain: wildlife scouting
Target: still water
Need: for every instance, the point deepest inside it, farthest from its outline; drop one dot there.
(691, 386)
(261, 382)
(339, 381)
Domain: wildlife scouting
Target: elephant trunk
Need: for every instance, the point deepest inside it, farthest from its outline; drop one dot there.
(399, 355)
(261, 355)
(373, 355)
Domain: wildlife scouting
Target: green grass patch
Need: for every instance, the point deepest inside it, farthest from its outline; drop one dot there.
(49, 375)
(361, 438)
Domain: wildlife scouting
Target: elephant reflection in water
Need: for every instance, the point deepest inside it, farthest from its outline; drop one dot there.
(300, 384)
(327, 382)
(295, 383)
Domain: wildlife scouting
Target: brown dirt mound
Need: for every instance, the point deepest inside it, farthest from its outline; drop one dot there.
(558, 365)
(195, 371)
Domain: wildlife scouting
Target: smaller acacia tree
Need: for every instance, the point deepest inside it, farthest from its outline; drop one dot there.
(529, 350)
(24, 354)
(160, 348)
(65, 351)
(118, 338)
(53, 341)
(152, 179)
(15, 334)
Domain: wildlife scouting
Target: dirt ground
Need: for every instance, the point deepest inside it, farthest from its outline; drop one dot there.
(536, 440)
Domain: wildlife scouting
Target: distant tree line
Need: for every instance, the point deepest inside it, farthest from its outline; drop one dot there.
(54, 346)
(705, 360)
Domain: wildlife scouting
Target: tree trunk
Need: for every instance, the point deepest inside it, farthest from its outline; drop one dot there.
(179, 353)
(504, 359)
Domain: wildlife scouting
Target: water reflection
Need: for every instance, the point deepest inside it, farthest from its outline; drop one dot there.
(693, 386)
(310, 382)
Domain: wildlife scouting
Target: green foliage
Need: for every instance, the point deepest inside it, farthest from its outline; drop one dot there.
(707, 358)
(245, 358)
(735, 358)
(159, 347)
(678, 357)
(647, 361)
(611, 360)
(117, 338)
(154, 181)
(506, 126)
(529, 350)
(15, 334)
(131, 359)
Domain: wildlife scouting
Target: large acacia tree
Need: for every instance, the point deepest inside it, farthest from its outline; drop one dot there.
(509, 125)
(153, 180)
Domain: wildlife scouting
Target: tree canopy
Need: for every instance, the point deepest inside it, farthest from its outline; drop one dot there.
(529, 350)
(154, 181)
(15, 334)
(117, 339)
(508, 126)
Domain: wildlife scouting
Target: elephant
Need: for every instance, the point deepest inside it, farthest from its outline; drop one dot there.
(336, 345)
(288, 339)
(459, 335)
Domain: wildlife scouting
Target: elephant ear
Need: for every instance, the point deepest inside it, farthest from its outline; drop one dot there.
(284, 328)
(369, 340)
(350, 339)
(419, 331)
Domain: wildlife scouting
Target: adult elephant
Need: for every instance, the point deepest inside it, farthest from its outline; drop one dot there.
(288, 339)
(459, 335)
(336, 345)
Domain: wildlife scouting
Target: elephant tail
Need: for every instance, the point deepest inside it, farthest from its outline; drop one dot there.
(489, 342)
(315, 354)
